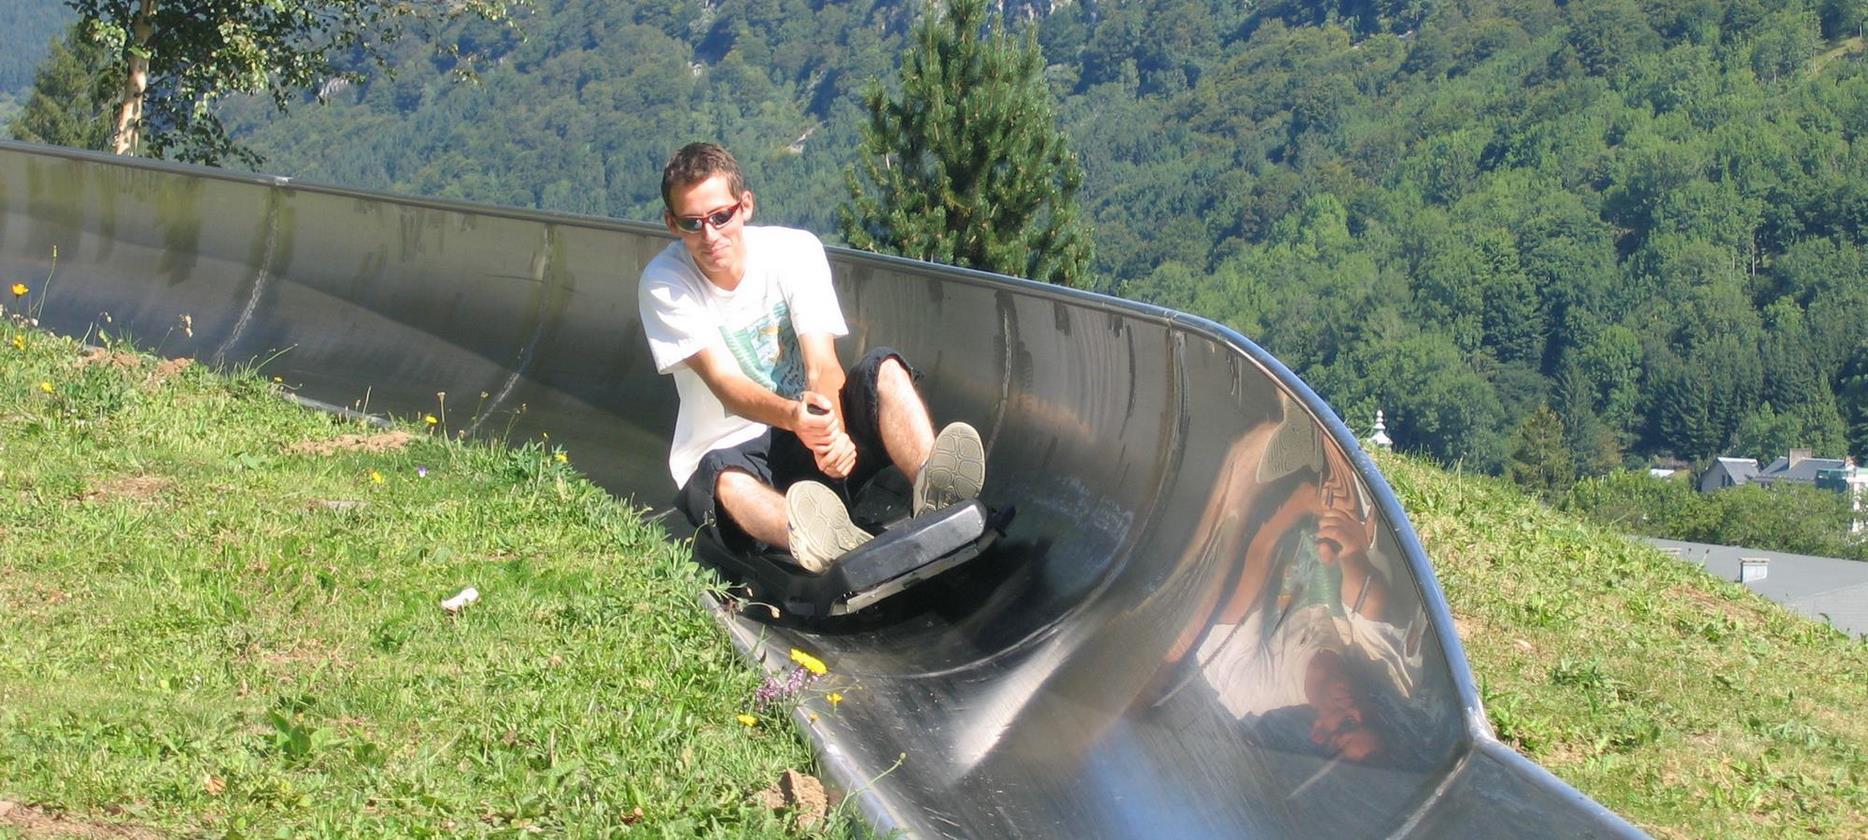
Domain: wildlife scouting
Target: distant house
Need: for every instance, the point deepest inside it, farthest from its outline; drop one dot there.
(1797, 468)
(1728, 472)
(1853, 483)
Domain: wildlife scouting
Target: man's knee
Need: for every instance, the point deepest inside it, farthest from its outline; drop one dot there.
(735, 484)
(893, 378)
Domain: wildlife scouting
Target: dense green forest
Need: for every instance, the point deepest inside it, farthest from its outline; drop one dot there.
(30, 27)
(1646, 216)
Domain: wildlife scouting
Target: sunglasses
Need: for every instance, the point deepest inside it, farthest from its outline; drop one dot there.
(717, 219)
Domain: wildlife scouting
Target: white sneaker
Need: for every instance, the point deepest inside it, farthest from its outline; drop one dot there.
(819, 526)
(954, 472)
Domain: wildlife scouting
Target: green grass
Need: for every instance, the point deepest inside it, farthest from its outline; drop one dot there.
(205, 630)
(1688, 704)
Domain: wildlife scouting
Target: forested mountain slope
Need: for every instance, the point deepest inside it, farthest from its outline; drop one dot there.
(1645, 215)
(27, 28)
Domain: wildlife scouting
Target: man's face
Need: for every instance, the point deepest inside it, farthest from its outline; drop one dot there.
(1339, 725)
(716, 246)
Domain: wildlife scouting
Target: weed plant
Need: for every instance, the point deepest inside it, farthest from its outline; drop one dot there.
(209, 625)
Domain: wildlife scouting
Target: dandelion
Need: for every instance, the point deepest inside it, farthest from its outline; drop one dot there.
(278, 380)
(19, 342)
(431, 420)
(46, 387)
(20, 290)
(376, 477)
(834, 698)
(561, 457)
(810, 663)
(748, 720)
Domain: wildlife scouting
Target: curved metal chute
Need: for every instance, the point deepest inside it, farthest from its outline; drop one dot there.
(1210, 617)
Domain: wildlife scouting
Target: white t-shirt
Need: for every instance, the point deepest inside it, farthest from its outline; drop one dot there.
(786, 292)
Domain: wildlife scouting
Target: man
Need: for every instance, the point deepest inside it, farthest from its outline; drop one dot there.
(745, 319)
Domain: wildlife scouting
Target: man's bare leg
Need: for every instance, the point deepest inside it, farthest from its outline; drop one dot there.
(907, 431)
(754, 506)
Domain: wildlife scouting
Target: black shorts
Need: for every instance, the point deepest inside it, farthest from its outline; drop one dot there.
(779, 459)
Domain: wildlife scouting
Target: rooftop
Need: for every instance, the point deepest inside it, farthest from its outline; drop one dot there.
(1819, 587)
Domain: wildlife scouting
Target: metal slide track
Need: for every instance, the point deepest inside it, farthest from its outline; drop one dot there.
(1210, 618)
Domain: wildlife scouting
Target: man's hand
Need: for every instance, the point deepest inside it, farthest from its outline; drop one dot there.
(839, 459)
(814, 421)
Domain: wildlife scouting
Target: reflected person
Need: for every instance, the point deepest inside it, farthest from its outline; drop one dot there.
(1298, 645)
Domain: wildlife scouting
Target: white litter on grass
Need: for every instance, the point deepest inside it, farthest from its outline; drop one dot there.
(460, 601)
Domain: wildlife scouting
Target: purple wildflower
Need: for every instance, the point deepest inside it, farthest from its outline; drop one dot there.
(777, 689)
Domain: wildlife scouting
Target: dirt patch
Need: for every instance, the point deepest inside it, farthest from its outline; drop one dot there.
(800, 793)
(1740, 614)
(168, 370)
(379, 442)
(92, 356)
(34, 823)
(303, 652)
(136, 488)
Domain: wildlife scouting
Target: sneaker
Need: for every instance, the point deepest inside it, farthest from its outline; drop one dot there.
(954, 472)
(819, 526)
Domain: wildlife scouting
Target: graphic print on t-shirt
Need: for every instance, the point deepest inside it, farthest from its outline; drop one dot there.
(767, 352)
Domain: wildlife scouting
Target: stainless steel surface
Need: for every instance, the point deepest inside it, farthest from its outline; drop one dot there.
(1209, 618)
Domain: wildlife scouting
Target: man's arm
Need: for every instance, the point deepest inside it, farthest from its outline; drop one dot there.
(746, 398)
(823, 374)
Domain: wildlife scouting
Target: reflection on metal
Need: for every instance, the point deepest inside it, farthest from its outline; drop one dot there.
(1210, 617)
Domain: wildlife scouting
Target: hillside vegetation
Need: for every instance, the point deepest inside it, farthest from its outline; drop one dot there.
(220, 615)
(235, 629)
(1647, 216)
(1688, 704)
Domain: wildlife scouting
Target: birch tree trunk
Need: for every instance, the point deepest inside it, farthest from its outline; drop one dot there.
(129, 131)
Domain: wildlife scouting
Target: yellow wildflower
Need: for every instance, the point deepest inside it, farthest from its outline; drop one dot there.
(20, 290)
(561, 456)
(431, 420)
(19, 342)
(278, 379)
(810, 663)
(46, 387)
(834, 698)
(376, 477)
(748, 720)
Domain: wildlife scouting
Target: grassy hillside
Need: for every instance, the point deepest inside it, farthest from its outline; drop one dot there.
(1688, 704)
(219, 614)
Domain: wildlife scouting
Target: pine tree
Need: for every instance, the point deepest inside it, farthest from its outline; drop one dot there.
(967, 167)
(70, 101)
(1539, 462)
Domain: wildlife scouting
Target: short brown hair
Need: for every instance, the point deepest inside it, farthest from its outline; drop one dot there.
(696, 162)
